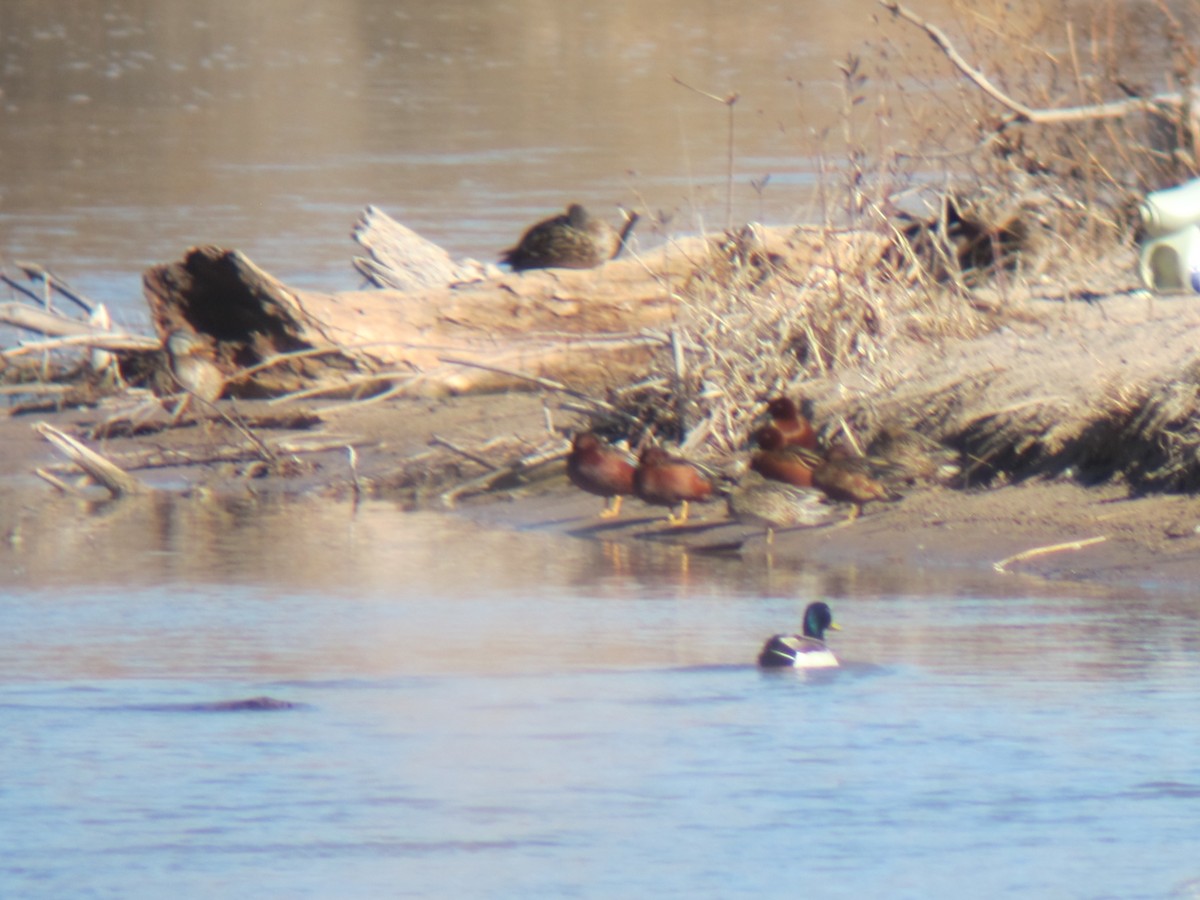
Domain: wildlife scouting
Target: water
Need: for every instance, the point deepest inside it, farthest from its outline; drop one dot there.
(516, 714)
(131, 131)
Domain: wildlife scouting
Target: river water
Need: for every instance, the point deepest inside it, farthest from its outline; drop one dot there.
(511, 713)
(521, 713)
(132, 130)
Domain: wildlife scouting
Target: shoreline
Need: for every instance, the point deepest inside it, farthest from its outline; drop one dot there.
(1148, 543)
(1133, 544)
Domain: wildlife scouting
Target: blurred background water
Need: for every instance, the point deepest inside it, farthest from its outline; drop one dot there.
(132, 129)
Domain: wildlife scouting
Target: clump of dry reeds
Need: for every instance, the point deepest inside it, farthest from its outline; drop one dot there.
(769, 309)
(945, 234)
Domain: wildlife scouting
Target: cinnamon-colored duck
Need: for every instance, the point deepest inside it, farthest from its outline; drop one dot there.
(846, 478)
(780, 461)
(665, 480)
(600, 469)
(792, 423)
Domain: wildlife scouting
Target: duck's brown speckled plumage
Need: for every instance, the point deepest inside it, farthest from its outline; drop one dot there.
(775, 504)
(573, 240)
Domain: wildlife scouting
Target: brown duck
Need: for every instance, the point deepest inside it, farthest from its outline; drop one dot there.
(665, 480)
(842, 477)
(792, 423)
(780, 461)
(600, 469)
(851, 479)
(573, 240)
(774, 504)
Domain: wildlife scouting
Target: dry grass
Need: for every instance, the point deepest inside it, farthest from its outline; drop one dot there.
(960, 231)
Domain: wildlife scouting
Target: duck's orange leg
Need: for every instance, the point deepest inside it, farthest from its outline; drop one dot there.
(674, 520)
(612, 508)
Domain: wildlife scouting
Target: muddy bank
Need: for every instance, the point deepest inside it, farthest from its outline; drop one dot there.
(1149, 542)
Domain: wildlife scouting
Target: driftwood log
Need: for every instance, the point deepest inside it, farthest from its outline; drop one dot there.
(457, 327)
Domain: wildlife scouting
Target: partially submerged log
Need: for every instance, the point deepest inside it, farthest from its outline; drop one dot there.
(585, 327)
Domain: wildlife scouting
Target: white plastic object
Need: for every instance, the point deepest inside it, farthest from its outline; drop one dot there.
(1172, 263)
(1167, 211)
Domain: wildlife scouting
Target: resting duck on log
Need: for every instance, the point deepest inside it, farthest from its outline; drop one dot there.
(574, 240)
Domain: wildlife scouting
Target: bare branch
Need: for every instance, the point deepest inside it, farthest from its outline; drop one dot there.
(1020, 111)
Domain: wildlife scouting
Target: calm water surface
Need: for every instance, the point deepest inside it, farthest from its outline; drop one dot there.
(131, 130)
(548, 716)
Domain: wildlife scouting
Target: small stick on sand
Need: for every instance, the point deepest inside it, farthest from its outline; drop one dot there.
(437, 441)
(117, 480)
(1050, 548)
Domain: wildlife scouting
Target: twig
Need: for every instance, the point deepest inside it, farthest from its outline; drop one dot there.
(35, 387)
(106, 341)
(35, 272)
(318, 443)
(1043, 551)
(352, 456)
(485, 482)
(729, 101)
(169, 459)
(361, 381)
(279, 358)
(540, 382)
(20, 288)
(22, 315)
(854, 444)
(631, 219)
(238, 424)
(113, 477)
(395, 389)
(52, 479)
(437, 441)
(1022, 112)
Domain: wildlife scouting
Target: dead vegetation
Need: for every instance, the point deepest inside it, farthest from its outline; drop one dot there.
(1039, 146)
(951, 291)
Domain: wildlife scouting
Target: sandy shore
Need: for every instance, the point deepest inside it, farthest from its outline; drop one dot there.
(1143, 543)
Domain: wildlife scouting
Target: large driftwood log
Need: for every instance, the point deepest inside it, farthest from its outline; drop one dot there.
(583, 327)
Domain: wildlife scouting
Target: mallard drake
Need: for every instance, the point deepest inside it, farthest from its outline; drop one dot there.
(774, 504)
(600, 469)
(573, 240)
(803, 651)
(793, 423)
(665, 480)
